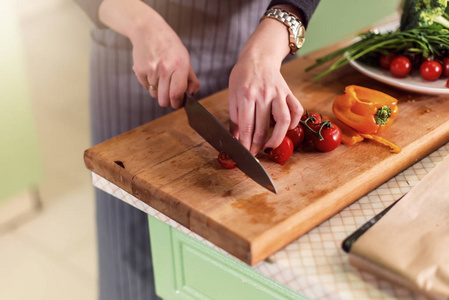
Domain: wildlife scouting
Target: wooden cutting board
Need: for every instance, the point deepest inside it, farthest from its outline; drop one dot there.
(171, 168)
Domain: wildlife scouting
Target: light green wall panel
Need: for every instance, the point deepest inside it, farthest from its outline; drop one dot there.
(335, 19)
(19, 160)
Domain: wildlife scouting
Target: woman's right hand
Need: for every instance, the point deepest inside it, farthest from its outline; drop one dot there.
(159, 57)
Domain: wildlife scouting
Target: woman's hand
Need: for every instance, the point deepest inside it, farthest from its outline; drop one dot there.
(160, 59)
(258, 91)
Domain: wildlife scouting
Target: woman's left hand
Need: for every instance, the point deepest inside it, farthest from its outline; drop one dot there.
(258, 91)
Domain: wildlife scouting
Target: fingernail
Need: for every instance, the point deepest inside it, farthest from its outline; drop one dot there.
(268, 150)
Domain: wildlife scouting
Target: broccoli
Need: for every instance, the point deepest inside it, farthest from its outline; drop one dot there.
(419, 13)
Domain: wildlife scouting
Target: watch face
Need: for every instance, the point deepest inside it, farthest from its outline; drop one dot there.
(300, 36)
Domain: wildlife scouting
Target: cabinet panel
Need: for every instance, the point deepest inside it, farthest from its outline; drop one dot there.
(187, 269)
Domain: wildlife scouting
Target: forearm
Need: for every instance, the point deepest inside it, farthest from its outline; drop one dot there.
(270, 40)
(129, 18)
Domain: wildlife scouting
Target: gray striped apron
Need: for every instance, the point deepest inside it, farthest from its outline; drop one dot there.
(214, 32)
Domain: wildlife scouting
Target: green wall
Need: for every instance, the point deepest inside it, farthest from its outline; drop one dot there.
(19, 159)
(335, 19)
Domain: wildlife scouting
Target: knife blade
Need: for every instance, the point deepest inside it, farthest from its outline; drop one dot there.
(207, 126)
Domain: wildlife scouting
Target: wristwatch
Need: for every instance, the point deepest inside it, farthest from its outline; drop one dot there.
(296, 29)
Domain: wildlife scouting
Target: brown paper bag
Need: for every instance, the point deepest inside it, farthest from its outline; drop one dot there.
(410, 244)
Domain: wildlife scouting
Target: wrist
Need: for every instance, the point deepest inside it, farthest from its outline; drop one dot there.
(268, 42)
(143, 24)
(293, 24)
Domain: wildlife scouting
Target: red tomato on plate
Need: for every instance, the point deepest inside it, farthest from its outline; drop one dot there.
(400, 67)
(445, 64)
(385, 61)
(430, 70)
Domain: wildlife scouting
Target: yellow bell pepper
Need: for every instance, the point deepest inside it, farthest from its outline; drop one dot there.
(365, 110)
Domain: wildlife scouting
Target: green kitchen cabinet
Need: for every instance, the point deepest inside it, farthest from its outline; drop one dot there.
(187, 269)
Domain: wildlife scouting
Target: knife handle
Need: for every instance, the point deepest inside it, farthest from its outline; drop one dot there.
(187, 95)
(350, 240)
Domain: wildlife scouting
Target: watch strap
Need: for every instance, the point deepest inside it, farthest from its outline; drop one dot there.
(291, 21)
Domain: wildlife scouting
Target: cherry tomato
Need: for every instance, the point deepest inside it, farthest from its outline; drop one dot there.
(400, 67)
(283, 152)
(447, 83)
(331, 134)
(430, 70)
(225, 161)
(296, 135)
(385, 60)
(445, 64)
(312, 120)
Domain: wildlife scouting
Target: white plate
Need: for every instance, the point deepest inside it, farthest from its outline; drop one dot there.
(413, 82)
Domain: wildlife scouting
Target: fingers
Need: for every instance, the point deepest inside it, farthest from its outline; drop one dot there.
(296, 110)
(178, 85)
(163, 89)
(153, 88)
(246, 121)
(182, 80)
(250, 114)
(233, 115)
(281, 115)
(153, 85)
(250, 120)
(263, 114)
(168, 81)
(193, 84)
(173, 82)
(148, 84)
(141, 75)
(287, 113)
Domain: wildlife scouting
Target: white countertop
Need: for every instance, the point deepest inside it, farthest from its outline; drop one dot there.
(314, 265)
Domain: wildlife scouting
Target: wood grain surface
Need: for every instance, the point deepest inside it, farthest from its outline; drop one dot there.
(171, 168)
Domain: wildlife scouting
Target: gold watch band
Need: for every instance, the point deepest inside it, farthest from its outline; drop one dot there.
(294, 26)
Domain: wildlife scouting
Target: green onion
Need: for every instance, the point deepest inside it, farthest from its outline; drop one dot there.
(429, 41)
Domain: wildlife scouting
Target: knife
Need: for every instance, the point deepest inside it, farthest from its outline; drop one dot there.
(350, 240)
(206, 125)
